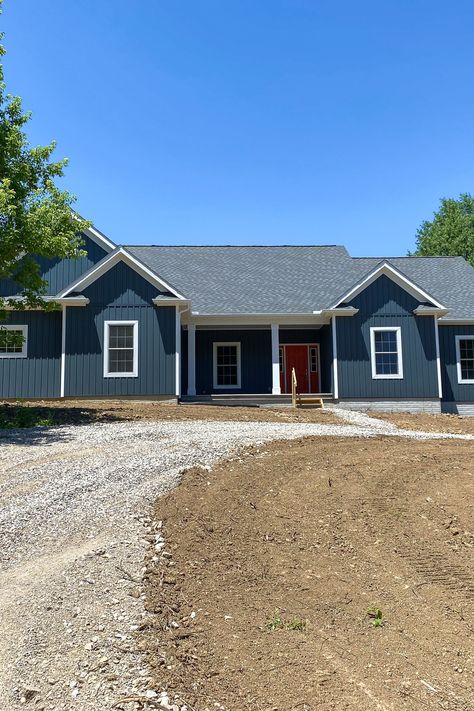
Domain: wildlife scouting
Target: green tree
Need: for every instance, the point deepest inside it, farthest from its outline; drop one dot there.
(36, 217)
(451, 231)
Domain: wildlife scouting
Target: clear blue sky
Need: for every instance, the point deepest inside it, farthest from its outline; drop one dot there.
(251, 121)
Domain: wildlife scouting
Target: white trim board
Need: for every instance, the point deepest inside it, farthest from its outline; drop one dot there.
(99, 239)
(389, 376)
(458, 339)
(396, 276)
(102, 267)
(24, 348)
(107, 373)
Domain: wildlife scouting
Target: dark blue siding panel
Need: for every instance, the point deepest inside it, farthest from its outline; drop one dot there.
(61, 272)
(384, 303)
(256, 360)
(452, 390)
(38, 375)
(120, 294)
(326, 359)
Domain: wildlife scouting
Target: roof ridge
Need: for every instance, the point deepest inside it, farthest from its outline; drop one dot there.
(415, 256)
(237, 246)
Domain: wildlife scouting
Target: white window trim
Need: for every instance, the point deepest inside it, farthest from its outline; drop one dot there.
(134, 373)
(216, 344)
(461, 380)
(24, 350)
(393, 376)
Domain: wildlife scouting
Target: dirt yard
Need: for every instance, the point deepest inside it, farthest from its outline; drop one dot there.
(273, 559)
(455, 424)
(89, 411)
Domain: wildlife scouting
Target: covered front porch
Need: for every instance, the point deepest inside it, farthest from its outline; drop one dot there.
(233, 362)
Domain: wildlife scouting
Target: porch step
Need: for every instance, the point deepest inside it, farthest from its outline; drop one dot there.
(302, 401)
(257, 400)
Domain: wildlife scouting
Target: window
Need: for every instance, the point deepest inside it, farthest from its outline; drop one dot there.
(226, 365)
(313, 360)
(281, 359)
(465, 358)
(386, 352)
(13, 341)
(121, 349)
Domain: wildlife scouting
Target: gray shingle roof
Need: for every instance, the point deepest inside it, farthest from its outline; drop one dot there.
(293, 279)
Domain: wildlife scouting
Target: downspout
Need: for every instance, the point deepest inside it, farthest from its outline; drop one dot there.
(334, 359)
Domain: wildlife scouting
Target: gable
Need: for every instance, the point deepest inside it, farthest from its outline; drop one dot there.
(121, 286)
(384, 297)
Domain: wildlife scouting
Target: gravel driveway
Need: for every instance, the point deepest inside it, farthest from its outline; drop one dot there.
(73, 533)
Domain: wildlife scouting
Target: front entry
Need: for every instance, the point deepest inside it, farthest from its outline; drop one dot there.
(304, 358)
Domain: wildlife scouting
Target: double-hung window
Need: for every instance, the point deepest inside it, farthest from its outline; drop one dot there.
(121, 349)
(465, 359)
(226, 365)
(13, 341)
(386, 352)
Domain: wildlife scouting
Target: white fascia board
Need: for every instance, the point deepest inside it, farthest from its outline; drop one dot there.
(427, 311)
(172, 301)
(344, 311)
(257, 319)
(118, 255)
(100, 239)
(456, 322)
(392, 273)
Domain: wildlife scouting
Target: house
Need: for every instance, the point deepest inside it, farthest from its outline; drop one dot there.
(209, 322)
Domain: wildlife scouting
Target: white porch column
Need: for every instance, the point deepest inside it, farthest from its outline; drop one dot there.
(276, 390)
(191, 359)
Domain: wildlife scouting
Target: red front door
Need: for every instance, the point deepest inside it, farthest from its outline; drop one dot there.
(305, 360)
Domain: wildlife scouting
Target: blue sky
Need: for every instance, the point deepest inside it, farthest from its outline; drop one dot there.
(251, 121)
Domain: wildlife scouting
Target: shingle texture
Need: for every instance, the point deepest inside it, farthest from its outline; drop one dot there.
(260, 280)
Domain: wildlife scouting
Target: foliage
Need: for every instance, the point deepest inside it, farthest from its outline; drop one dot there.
(19, 416)
(277, 622)
(376, 616)
(451, 232)
(36, 217)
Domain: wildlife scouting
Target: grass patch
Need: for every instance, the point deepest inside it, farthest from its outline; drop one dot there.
(277, 622)
(20, 416)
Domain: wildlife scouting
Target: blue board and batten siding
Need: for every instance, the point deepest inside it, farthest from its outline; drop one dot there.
(453, 391)
(37, 375)
(384, 303)
(121, 294)
(60, 272)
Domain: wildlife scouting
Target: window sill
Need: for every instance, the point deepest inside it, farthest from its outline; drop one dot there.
(120, 375)
(387, 377)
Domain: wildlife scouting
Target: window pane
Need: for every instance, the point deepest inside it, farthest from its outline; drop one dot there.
(386, 352)
(227, 366)
(121, 361)
(466, 350)
(11, 340)
(385, 341)
(120, 336)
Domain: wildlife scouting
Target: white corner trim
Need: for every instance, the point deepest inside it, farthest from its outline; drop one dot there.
(395, 275)
(63, 352)
(460, 338)
(132, 374)
(394, 376)
(118, 255)
(438, 359)
(24, 350)
(178, 352)
(335, 375)
(215, 345)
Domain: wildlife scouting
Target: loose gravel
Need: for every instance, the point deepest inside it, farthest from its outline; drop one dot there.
(74, 529)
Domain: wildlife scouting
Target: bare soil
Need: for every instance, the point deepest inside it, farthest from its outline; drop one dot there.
(311, 534)
(90, 411)
(453, 424)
